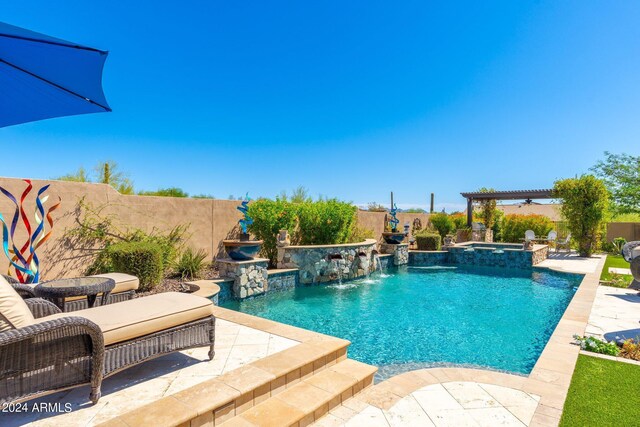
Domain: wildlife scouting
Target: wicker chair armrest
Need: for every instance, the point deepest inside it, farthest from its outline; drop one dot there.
(25, 291)
(56, 329)
(41, 307)
(10, 279)
(628, 248)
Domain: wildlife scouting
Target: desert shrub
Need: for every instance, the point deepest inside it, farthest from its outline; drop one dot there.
(514, 226)
(597, 345)
(141, 259)
(428, 241)
(360, 234)
(325, 222)
(630, 349)
(269, 217)
(585, 206)
(442, 223)
(190, 263)
(459, 220)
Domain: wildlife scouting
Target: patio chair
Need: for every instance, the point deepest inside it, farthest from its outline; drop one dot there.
(552, 236)
(564, 243)
(529, 235)
(125, 289)
(44, 350)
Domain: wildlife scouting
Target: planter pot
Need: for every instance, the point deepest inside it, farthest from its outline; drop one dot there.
(393, 237)
(242, 250)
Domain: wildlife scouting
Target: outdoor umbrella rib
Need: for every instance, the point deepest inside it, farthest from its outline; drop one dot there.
(74, 46)
(54, 84)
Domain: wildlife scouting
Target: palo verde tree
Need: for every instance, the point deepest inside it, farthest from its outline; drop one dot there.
(585, 206)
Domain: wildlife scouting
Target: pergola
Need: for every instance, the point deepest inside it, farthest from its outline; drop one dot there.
(526, 195)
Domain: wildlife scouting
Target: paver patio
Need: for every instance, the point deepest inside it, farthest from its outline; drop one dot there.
(236, 345)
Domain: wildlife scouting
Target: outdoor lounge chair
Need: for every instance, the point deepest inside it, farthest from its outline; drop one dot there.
(124, 290)
(564, 243)
(43, 350)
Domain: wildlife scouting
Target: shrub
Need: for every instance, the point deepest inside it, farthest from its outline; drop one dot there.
(360, 234)
(459, 221)
(269, 217)
(630, 349)
(585, 206)
(597, 346)
(427, 241)
(442, 223)
(190, 263)
(514, 226)
(325, 222)
(141, 259)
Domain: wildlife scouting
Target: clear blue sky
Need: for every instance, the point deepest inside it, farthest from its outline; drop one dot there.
(349, 99)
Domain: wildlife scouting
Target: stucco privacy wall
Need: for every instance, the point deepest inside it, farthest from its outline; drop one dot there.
(210, 220)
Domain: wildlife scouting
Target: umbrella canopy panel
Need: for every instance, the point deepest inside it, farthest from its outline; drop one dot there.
(43, 77)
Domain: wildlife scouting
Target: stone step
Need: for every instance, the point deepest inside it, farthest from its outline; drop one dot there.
(309, 399)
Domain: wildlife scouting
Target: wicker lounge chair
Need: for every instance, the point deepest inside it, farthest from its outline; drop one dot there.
(48, 351)
(125, 290)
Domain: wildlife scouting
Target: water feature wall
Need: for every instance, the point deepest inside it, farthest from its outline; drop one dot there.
(484, 254)
(325, 263)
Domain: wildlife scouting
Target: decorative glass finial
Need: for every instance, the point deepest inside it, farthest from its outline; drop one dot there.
(244, 208)
(394, 221)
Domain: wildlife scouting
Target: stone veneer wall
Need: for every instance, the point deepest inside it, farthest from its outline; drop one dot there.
(316, 267)
(249, 277)
(482, 254)
(400, 252)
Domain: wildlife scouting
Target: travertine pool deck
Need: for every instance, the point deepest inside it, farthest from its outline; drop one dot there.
(615, 314)
(236, 345)
(474, 397)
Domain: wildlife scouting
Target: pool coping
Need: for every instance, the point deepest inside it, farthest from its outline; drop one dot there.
(550, 377)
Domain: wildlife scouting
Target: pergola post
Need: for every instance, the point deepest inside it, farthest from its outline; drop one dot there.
(469, 212)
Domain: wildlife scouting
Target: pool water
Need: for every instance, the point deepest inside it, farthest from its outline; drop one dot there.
(421, 317)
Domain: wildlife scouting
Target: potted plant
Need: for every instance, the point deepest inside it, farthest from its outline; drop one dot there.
(243, 249)
(392, 235)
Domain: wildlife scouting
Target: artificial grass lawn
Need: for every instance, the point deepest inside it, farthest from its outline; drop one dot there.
(615, 261)
(602, 393)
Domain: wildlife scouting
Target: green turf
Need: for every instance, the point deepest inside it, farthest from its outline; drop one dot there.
(603, 393)
(614, 261)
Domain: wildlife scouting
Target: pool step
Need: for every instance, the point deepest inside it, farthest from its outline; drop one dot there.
(309, 399)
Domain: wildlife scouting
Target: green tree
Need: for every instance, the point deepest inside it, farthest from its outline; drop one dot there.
(621, 174)
(203, 196)
(166, 192)
(585, 204)
(108, 173)
(415, 210)
(79, 176)
(488, 210)
(376, 207)
(300, 195)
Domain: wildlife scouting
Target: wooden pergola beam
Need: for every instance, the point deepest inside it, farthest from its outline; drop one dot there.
(527, 195)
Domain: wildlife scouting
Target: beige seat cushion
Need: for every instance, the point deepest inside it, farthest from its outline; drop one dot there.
(124, 283)
(14, 312)
(143, 316)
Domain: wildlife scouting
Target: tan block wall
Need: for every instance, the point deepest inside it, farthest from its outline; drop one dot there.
(210, 220)
(629, 230)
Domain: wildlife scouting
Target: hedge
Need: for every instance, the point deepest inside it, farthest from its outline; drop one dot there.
(429, 241)
(141, 259)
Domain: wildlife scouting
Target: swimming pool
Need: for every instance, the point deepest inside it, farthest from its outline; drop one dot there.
(421, 317)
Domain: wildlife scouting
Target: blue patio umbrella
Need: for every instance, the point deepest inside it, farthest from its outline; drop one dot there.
(43, 77)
